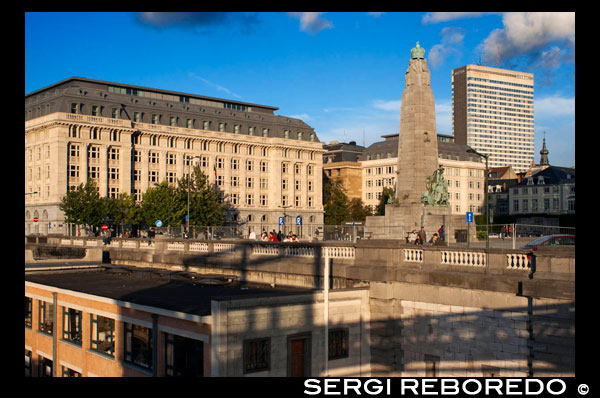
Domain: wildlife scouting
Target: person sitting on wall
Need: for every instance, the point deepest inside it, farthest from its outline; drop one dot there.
(435, 240)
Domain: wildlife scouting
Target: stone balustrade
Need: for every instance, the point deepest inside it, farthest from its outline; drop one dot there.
(372, 253)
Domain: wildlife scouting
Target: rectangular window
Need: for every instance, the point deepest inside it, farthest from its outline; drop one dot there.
(257, 355)
(102, 334)
(72, 325)
(66, 372)
(45, 368)
(138, 345)
(28, 309)
(338, 344)
(46, 317)
(183, 356)
(27, 363)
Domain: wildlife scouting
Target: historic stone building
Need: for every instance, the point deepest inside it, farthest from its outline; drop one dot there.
(129, 138)
(464, 171)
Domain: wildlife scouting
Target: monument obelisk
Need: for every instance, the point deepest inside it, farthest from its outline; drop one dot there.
(421, 191)
(417, 143)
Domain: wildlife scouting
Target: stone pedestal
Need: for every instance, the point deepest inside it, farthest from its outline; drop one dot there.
(401, 220)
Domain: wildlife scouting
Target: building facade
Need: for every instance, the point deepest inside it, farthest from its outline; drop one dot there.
(340, 162)
(549, 192)
(101, 323)
(464, 171)
(129, 138)
(493, 113)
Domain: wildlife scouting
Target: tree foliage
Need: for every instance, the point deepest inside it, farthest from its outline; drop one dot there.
(335, 202)
(84, 206)
(387, 196)
(206, 204)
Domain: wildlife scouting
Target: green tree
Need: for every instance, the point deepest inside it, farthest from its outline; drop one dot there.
(387, 195)
(335, 203)
(120, 209)
(83, 205)
(206, 205)
(358, 211)
(158, 204)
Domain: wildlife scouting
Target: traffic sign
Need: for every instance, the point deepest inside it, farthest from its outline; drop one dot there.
(469, 216)
(281, 222)
(35, 219)
(299, 220)
(158, 223)
(104, 227)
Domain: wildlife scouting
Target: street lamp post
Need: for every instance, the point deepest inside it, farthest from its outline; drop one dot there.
(188, 192)
(487, 203)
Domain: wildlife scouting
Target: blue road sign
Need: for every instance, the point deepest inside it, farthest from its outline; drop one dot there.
(281, 222)
(158, 223)
(469, 216)
(298, 220)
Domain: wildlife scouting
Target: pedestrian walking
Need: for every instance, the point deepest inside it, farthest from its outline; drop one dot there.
(422, 236)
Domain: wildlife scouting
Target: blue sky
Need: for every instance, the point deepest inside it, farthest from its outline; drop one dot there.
(342, 73)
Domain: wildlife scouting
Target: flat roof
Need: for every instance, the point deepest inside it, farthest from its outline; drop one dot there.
(171, 290)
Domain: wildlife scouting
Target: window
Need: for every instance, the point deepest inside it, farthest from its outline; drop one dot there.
(45, 368)
(72, 325)
(183, 356)
(138, 345)
(102, 334)
(27, 363)
(46, 317)
(338, 344)
(257, 355)
(28, 309)
(249, 165)
(66, 372)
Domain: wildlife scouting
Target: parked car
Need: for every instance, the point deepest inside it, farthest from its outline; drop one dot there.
(550, 240)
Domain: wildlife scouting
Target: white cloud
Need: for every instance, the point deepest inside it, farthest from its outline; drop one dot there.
(435, 17)
(392, 105)
(554, 106)
(527, 32)
(452, 39)
(214, 85)
(303, 116)
(311, 22)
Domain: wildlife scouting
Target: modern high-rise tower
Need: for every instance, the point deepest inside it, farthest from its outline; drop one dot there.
(493, 114)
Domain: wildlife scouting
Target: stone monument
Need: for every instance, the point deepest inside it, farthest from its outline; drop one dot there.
(421, 191)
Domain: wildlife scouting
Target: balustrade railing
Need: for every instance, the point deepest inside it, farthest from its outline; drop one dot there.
(413, 255)
(454, 257)
(518, 261)
(466, 258)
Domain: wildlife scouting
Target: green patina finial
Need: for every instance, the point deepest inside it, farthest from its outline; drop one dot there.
(417, 52)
